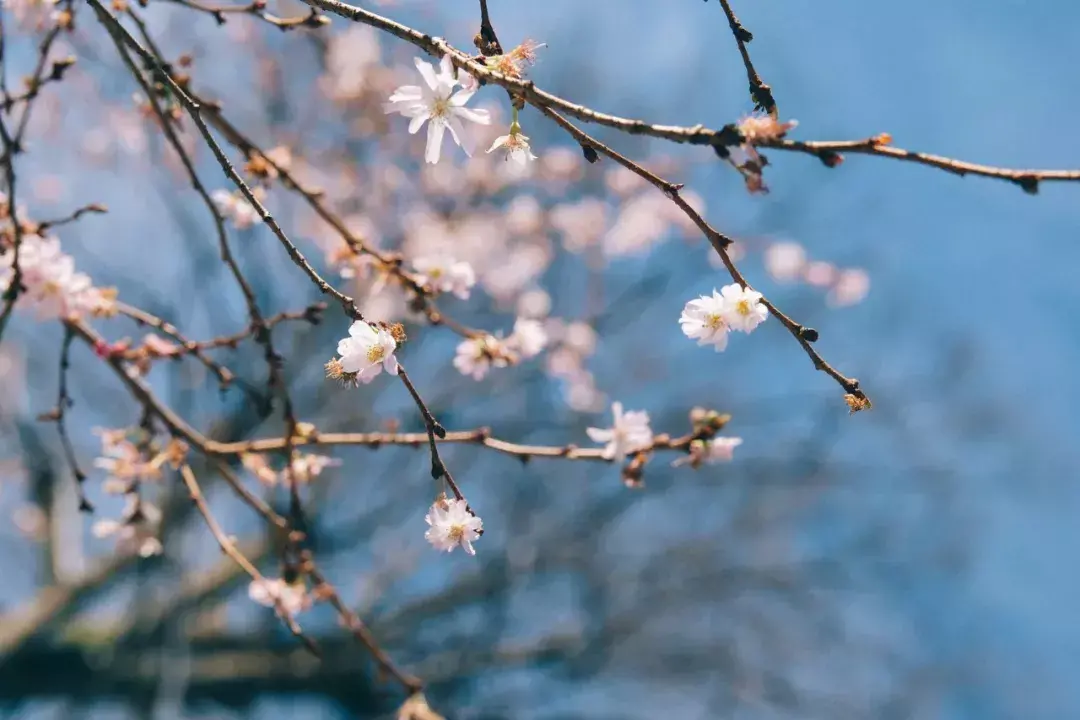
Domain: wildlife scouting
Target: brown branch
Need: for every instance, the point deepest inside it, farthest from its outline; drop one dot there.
(486, 41)
(356, 626)
(257, 8)
(15, 287)
(829, 153)
(224, 375)
(434, 430)
(760, 93)
(727, 136)
(59, 416)
(46, 225)
(229, 548)
(720, 242)
(263, 334)
(315, 199)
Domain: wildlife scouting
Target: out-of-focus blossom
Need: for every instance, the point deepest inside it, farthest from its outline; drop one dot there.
(784, 261)
(528, 338)
(235, 207)
(367, 352)
(475, 356)
(819, 274)
(257, 465)
(851, 288)
(52, 285)
(758, 127)
(436, 103)
(293, 597)
(535, 303)
(581, 224)
(721, 449)
(561, 165)
(451, 524)
(641, 223)
(136, 531)
(350, 58)
(445, 274)
(629, 432)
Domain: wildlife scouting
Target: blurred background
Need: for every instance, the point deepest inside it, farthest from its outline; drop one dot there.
(914, 561)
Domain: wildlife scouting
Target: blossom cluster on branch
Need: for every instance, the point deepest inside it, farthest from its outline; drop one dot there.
(404, 251)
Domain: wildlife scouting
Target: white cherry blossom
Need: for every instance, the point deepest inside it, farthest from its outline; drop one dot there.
(705, 320)
(436, 101)
(629, 432)
(743, 309)
(515, 147)
(721, 449)
(368, 351)
(452, 524)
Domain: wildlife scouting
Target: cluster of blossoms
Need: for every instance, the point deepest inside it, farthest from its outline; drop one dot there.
(477, 355)
(49, 280)
(757, 128)
(130, 457)
(292, 597)
(787, 262)
(516, 62)
(571, 346)
(305, 467)
(437, 104)
(443, 274)
(367, 351)
(709, 319)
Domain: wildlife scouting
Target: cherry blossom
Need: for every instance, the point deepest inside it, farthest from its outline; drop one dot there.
(475, 356)
(784, 261)
(515, 147)
(236, 208)
(721, 449)
(52, 285)
(705, 320)
(136, 531)
(528, 338)
(444, 274)
(452, 524)
(367, 352)
(743, 309)
(851, 288)
(758, 127)
(294, 597)
(629, 432)
(436, 101)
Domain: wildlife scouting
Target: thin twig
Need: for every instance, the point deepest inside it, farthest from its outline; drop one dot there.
(727, 136)
(59, 416)
(760, 93)
(356, 626)
(229, 548)
(720, 242)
